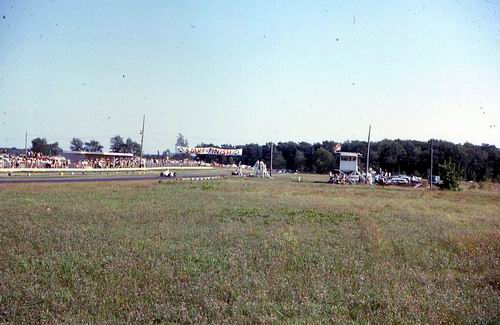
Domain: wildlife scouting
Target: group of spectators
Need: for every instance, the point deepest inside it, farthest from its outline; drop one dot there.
(33, 160)
(37, 160)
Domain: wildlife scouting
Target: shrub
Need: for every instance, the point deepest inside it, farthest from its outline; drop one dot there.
(449, 176)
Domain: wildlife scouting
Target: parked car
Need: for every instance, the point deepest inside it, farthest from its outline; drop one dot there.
(416, 179)
(399, 180)
(436, 180)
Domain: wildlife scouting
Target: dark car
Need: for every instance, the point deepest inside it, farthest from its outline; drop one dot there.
(436, 180)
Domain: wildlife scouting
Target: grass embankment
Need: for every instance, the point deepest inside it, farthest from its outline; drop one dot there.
(244, 250)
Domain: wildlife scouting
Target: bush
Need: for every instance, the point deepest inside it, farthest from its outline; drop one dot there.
(449, 176)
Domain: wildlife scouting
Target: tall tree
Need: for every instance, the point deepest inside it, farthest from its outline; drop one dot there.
(166, 153)
(252, 152)
(76, 144)
(323, 160)
(449, 176)
(478, 163)
(132, 147)
(279, 161)
(300, 161)
(181, 141)
(117, 144)
(40, 145)
(93, 146)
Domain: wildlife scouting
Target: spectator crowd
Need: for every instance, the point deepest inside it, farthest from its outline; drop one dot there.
(32, 160)
(37, 160)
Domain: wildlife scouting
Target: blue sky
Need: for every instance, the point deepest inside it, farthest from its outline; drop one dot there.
(254, 71)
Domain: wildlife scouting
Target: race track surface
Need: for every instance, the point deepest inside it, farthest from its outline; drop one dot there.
(89, 179)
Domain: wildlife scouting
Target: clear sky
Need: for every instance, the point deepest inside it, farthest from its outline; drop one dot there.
(249, 71)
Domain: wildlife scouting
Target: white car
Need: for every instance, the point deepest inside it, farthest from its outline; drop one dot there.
(399, 180)
(168, 173)
(416, 179)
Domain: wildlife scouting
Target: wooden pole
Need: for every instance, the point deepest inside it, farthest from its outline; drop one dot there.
(142, 133)
(432, 162)
(271, 170)
(368, 153)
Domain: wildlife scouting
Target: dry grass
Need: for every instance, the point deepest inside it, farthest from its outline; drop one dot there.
(249, 251)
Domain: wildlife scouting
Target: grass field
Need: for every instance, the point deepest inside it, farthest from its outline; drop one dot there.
(247, 251)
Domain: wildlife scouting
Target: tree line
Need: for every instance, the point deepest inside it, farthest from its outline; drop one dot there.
(473, 162)
(411, 157)
(117, 144)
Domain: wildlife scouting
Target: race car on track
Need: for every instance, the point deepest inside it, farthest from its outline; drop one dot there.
(168, 173)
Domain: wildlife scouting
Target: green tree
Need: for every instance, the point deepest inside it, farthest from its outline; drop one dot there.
(449, 176)
(76, 144)
(40, 145)
(300, 161)
(166, 153)
(181, 141)
(132, 147)
(323, 160)
(279, 161)
(128, 146)
(117, 144)
(392, 154)
(251, 153)
(93, 146)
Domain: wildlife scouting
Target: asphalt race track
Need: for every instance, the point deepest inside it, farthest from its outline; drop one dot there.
(87, 179)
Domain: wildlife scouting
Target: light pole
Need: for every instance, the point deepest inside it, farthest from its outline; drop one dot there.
(432, 162)
(142, 133)
(271, 170)
(368, 153)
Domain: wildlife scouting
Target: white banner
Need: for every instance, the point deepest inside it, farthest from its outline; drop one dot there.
(210, 151)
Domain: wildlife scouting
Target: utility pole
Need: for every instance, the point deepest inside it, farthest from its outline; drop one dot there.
(368, 153)
(142, 132)
(271, 170)
(26, 144)
(432, 162)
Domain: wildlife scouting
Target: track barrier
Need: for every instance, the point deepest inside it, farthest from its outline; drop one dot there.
(83, 171)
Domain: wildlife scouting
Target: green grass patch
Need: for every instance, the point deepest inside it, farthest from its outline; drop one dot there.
(242, 214)
(247, 251)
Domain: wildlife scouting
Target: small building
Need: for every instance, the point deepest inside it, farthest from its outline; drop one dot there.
(79, 156)
(349, 162)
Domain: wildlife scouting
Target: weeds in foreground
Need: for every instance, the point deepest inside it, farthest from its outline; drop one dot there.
(245, 251)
